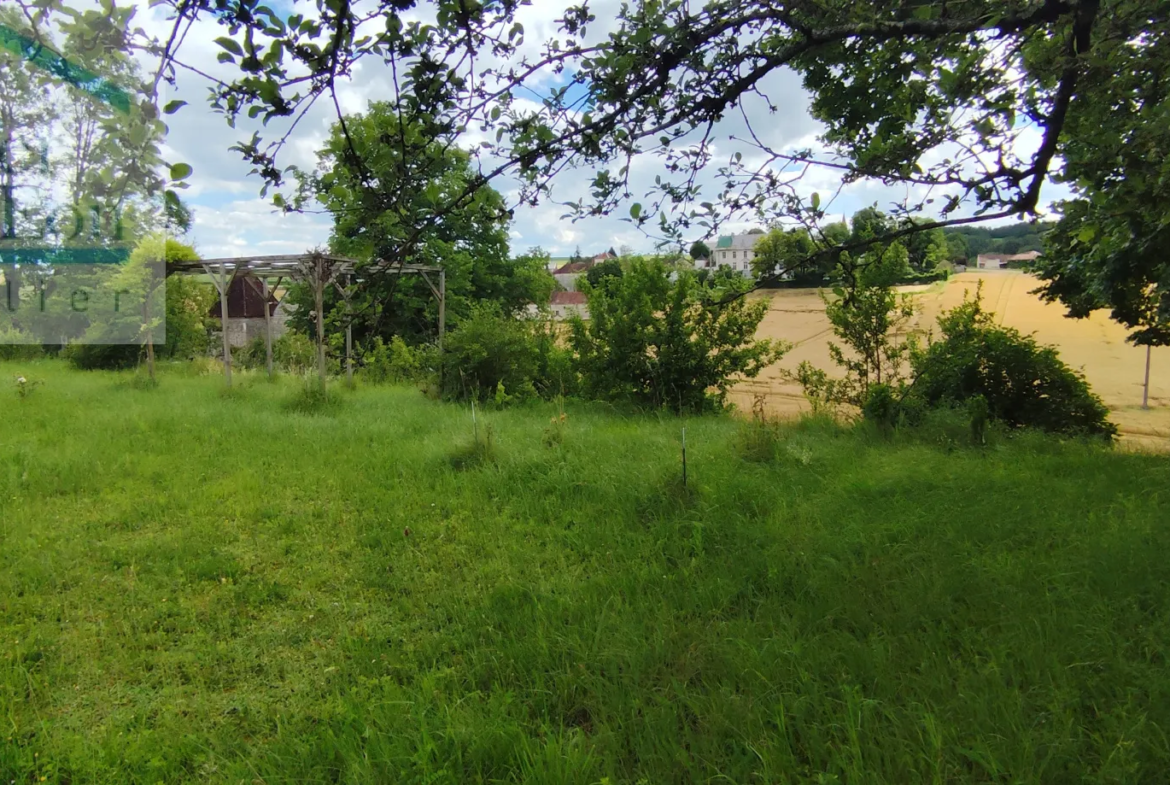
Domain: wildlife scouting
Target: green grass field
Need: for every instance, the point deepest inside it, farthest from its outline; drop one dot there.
(199, 587)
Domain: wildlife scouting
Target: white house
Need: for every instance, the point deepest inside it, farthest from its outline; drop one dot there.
(564, 304)
(736, 252)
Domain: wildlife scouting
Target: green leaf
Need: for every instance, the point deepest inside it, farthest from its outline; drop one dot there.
(173, 106)
(636, 211)
(229, 45)
(180, 171)
(816, 201)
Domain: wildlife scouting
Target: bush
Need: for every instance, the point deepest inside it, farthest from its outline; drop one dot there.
(881, 406)
(397, 362)
(1022, 383)
(103, 356)
(188, 303)
(489, 352)
(186, 306)
(660, 342)
(14, 345)
(556, 366)
(292, 353)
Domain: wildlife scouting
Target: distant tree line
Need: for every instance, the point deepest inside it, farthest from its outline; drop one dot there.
(970, 241)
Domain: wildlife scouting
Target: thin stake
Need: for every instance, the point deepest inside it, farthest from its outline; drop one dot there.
(1146, 389)
(684, 455)
(474, 424)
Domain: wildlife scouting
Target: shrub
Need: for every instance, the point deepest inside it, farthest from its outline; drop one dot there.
(661, 342)
(102, 356)
(294, 353)
(397, 362)
(252, 354)
(188, 303)
(14, 345)
(1022, 383)
(881, 406)
(556, 371)
(487, 351)
(186, 306)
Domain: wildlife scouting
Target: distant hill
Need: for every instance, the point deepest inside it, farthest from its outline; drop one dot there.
(970, 241)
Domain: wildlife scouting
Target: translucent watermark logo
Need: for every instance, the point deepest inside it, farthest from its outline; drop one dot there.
(83, 240)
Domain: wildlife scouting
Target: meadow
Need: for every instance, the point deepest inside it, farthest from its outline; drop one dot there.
(201, 586)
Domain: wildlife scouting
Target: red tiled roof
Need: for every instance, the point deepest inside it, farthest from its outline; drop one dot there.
(573, 267)
(569, 298)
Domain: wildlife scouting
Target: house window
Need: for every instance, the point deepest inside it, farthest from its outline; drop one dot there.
(733, 255)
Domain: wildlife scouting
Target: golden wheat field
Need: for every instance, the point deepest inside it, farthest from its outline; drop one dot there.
(1096, 346)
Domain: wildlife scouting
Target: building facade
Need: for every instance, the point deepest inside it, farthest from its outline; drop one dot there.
(736, 252)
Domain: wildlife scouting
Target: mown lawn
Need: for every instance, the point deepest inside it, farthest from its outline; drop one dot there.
(205, 588)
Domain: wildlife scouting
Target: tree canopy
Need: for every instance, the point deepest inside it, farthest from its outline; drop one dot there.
(1111, 248)
(356, 168)
(971, 106)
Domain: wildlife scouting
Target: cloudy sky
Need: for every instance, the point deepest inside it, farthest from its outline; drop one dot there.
(232, 219)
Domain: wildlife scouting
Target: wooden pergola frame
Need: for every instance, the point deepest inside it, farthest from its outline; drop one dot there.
(319, 270)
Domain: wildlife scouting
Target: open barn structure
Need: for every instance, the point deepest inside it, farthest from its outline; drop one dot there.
(319, 271)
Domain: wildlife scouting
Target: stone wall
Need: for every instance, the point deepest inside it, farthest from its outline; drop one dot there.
(242, 331)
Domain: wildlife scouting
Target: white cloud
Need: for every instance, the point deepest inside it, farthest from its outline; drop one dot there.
(253, 226)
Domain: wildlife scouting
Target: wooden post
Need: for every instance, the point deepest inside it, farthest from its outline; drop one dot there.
(349, 354)
(346, 294)
(442, 308)
(267, 327)
(319, 297)
(223, 322)
(684, 456)
(149, 338)
(1146, 388)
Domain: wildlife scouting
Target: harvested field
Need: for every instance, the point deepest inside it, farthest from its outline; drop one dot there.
(1096, 345)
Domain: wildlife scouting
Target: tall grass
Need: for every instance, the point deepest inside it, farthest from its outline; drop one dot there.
(204, 589)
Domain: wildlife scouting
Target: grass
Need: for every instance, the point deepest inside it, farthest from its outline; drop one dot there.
(199, 588)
